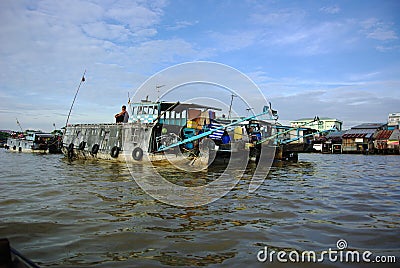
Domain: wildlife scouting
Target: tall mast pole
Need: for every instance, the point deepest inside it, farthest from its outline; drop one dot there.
(19, 125)
(230, 106)
(76, 94)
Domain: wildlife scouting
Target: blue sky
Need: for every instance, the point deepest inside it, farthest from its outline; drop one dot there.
(329, 58)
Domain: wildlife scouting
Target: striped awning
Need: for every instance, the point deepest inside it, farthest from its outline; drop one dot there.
(216, 135)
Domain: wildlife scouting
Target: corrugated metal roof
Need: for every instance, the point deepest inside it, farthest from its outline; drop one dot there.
(359, 133)
(335, 134)
(369, 126)
(383, 134)
(349, 136)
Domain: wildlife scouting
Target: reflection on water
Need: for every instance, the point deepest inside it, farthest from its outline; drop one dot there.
(93, 213)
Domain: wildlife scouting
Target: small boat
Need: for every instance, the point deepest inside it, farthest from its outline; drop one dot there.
(180, 133)
(35, 142)
(11, 258)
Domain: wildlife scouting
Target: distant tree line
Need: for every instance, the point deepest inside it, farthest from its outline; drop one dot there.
(4, 136)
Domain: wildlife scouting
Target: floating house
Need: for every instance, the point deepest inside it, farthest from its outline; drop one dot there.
(381, 139)
(393, 142)
(333, 143)
(359, 139)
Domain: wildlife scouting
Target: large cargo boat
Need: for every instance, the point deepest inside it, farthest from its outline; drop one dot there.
(185, 133)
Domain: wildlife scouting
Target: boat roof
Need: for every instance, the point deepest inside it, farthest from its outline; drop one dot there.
(44, 135)
(180, 107)
(185, 106)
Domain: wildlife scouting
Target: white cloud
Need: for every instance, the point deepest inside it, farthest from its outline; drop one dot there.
(353, 107)
(363, 76)
(233, 40)
(386, 48)
(181, 25)
(330, 9)
(102, 30)
(135, 16)
(285, 16)
(46, 46)
(382, 34)
(378, 30)
(295, 31)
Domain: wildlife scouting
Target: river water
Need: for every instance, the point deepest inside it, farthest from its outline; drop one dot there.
(93, 214)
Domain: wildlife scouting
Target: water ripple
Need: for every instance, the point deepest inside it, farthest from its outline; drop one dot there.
(89, 213)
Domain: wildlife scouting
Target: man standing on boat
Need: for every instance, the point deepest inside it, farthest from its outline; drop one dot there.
(123, 116)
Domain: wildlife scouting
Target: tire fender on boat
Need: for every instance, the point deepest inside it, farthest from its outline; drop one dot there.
(95, 149)
(71, 147)
(19, 149)
(70, 150)
(208, 143)
(14, 147)
(82, 146)
(137, 154)
(115, 152)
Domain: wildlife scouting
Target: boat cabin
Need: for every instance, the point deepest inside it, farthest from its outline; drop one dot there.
(173, 121)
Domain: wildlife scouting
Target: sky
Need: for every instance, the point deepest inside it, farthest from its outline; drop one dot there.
(337, 59)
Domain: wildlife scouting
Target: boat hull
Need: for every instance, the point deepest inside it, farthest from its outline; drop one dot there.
(126, 142)
(28, 146)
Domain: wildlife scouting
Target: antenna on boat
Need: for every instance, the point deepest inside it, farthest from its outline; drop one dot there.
(158, 90)
(19, 125)
(249, 110)
(72, 105)
(230, 106)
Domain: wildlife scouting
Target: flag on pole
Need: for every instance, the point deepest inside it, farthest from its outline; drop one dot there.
(83, 78)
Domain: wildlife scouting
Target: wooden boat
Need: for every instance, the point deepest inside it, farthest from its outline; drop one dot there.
(180, 133)
(11, 258)
(35, 142)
